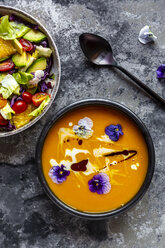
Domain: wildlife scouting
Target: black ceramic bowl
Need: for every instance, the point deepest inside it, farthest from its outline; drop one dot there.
(146, 135)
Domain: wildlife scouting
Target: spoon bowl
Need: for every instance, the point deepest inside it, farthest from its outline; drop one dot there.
(96, 49)
(99, 52)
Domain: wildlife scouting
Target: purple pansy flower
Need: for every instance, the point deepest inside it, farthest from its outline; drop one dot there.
(58, 174)
(100, 184)
(114, 131)
(161, 71)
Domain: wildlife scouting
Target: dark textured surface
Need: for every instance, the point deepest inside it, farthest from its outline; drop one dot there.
(28, 219)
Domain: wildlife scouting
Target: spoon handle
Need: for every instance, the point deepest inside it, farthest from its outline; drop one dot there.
(142, 85)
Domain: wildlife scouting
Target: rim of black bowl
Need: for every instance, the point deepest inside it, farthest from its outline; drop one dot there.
(146, 135)
(56, 67)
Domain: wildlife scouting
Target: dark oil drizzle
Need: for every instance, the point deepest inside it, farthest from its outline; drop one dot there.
(124, 152)
(80, 166)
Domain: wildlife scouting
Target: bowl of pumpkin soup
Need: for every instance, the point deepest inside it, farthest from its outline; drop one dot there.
(95, 158)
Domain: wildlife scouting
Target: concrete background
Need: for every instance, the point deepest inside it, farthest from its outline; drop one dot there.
(28, 219)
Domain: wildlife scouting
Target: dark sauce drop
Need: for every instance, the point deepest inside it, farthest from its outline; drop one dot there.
(80, 142)
(80, 166)
(67, 140)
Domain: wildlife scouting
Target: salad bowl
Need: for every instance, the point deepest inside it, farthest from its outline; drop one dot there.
(55, 68)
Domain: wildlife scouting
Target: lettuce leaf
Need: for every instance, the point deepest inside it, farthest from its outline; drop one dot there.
(7, 112)
(22, 77)
(7, 32)
(43, 51)
(8, 86)
(39, 110)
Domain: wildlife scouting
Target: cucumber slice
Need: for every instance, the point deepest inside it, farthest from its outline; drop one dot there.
(39, 64)
(34, 36)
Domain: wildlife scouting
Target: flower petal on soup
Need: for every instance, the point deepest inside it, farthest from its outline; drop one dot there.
(100, 184)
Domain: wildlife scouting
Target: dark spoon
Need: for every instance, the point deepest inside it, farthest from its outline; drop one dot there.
(99, 52)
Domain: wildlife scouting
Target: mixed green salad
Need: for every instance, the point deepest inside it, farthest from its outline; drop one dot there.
(25, 80)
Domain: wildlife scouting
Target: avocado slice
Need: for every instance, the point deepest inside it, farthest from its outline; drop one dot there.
(34, 36)
(19, 59)
(30, 60)
(39, 64)
(18, 46)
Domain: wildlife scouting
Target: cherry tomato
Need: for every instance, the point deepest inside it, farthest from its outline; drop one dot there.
(19, 106)
(3, 122)
(27, 96)
(27, 45)
(7, 65)
(3, 102)
(38, 98)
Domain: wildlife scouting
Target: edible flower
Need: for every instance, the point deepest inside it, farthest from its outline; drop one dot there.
(84, 128)
(37, 78)
(100, 183)
(146, 36)
(114, 131)
(58, 174)
(161, 71)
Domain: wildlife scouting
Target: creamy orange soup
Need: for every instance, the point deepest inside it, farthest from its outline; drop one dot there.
(77, 153)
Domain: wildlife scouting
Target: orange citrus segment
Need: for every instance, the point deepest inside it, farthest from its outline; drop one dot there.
(3, 102)
(22, 119)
